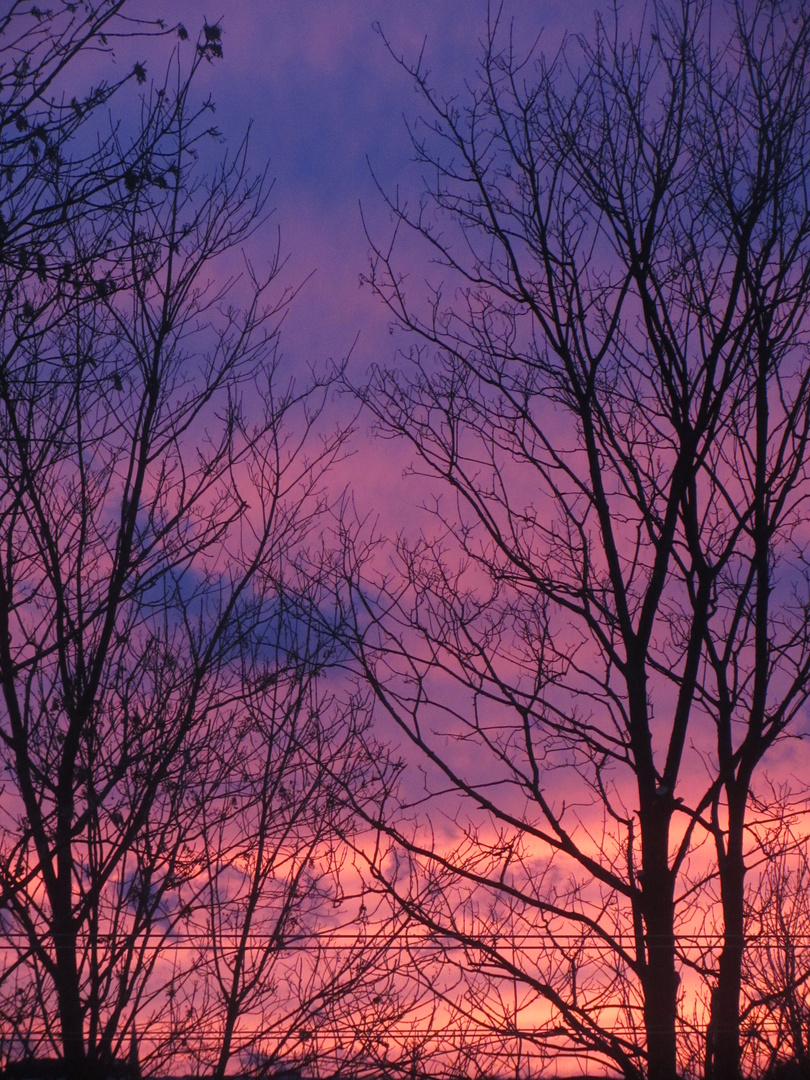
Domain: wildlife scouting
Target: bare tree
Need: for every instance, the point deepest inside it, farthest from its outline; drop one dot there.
(291, 943)
(172, 753)
(776, 969)
(606, 629)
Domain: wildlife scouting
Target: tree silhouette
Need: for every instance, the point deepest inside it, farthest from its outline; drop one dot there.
(172, 756)
(776, 968)
(606, 629)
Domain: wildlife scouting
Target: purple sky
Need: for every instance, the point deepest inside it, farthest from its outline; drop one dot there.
(325, 98)
(326, 101)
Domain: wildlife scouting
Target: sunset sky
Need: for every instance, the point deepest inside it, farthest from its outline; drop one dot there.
(327, 103)
(550, 684)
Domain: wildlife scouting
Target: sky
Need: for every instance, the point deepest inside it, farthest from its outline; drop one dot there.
(328, 108)
(327, 104)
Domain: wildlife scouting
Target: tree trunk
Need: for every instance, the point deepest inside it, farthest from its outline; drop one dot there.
(66, 979)
(661, 979)
(660, 1010)
(725, 1018)
(231, 1015)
